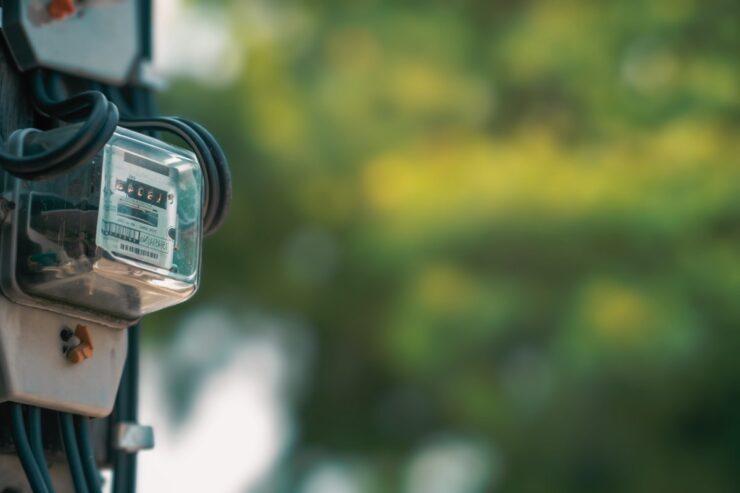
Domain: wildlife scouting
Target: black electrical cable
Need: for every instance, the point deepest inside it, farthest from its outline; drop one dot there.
(37, 444)
(23, 449)
(91, 148)
(217, 177)
(101, 118)
(87, 453)
(213, 208)
(73, 453)
(132, 101)
(199, 147)
(216, 174)
(51, 97)
(224, 173)
(115, 95)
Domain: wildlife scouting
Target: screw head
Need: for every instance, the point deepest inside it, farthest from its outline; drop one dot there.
(66, 334)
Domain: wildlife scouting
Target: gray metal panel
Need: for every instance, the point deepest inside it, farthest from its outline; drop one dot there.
(35, 370)
(100, 42)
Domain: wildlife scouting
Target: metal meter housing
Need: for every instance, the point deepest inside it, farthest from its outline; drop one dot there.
(99, 39)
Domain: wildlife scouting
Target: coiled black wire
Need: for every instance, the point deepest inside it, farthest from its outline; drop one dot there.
(223, 204)
(100, 121)
(216, 175)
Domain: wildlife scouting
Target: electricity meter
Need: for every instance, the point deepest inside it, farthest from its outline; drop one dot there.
(109, 241)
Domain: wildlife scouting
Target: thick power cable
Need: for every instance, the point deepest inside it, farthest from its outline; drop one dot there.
(87, 453)
(23, 449)
(216, 174)
(214, 202)
(224, 173)
(100, 120)
(69, 440)
(37, 444)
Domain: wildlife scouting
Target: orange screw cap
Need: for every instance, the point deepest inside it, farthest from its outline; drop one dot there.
(84, 350)
(59, 9)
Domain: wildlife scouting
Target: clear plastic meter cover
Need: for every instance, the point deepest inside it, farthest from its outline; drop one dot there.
(118, 237)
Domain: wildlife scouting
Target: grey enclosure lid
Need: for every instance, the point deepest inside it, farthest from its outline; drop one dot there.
(98, 39)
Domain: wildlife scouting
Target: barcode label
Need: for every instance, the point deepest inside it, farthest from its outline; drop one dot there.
(121, 232)
(138, 251)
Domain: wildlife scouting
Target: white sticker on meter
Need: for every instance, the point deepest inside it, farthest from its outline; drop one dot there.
(138, 209)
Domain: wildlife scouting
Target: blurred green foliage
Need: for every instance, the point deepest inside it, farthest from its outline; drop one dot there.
(518, 221)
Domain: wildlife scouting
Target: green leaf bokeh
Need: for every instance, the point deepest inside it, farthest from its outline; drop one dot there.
(523, 218)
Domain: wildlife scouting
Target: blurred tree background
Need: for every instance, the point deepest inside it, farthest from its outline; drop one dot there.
(514, 222)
